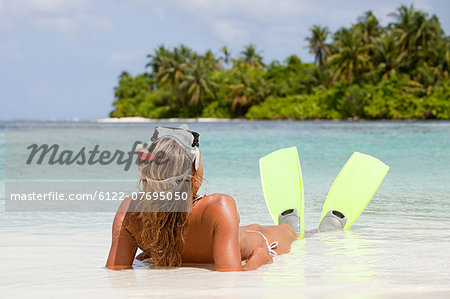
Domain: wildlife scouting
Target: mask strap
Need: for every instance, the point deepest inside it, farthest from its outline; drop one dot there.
(196, 152)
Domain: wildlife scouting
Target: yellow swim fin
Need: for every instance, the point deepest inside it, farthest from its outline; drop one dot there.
(282, 183)
(352, 191)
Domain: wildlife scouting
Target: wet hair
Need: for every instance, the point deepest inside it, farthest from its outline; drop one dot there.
(163, 222)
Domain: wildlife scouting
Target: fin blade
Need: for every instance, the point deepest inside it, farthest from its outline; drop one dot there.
(355, 186)
(282, 183)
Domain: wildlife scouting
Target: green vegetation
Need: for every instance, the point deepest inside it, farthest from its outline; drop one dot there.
(365, 71)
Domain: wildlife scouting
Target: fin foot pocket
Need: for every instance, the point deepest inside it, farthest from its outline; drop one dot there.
(292, 218)
(333, 220)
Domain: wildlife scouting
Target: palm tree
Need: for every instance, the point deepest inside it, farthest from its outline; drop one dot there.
(405, 27)
(444, 55)
(293, 62)
(317, 44)
(186, 53)
(370, 30)
(321, 78)
(156, 59)
(418, 34)
(251, 56)
(427, 75)
(369, 26)
(172, 68)
(197, 83)
(211, 61)
(351, 55)
(226, 55)
(246, 86)
(428, 36)
(388, 57)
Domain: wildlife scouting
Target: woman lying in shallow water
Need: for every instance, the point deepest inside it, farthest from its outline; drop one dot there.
(196, 229)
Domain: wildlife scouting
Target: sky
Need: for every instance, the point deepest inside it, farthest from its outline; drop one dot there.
(61, 59)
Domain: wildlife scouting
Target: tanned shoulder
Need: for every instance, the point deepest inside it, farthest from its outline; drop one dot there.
(221, 209)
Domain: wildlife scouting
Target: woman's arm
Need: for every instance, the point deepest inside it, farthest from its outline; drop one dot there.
(123, 246)
(226, 247)
(225, 220)
(259, 257)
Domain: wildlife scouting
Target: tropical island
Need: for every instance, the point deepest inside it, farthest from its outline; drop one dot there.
(365, 71)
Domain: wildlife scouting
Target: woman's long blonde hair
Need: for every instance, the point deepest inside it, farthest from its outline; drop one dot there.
(164, 222)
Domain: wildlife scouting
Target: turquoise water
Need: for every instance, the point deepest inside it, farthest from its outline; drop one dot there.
(399, 246)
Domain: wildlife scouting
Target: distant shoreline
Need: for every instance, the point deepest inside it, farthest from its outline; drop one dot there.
(139, 119)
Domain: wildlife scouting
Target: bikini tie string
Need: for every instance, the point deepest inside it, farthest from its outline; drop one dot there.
(271, 248)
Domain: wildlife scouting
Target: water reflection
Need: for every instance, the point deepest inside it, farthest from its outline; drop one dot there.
(288, 269)
(342, 255)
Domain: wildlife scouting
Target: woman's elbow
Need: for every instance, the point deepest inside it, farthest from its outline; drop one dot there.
(229, 269)
(117, 267)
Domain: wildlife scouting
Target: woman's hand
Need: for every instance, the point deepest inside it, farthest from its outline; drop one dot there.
(226, 248)
(259, 257)
(143, 256)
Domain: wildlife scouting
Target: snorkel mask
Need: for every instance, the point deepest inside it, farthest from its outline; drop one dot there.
(184, 137)
(172, 190)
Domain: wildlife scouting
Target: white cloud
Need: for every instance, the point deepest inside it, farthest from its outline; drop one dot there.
(262, 11)
(423, 5)
(229, 20)
(160, 13)
(63, 16)
(47, 7)
(229, 33)
(278, 27)
(122, 57)
(57, 24)
(10, 49)
(7, 45)
(97, 23)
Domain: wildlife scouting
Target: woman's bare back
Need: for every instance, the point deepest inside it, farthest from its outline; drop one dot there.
(213, 235)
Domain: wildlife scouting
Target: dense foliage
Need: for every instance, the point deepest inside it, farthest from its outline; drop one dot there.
(365, 71)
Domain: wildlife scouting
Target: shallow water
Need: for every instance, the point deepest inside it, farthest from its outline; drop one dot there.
(400, 246)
